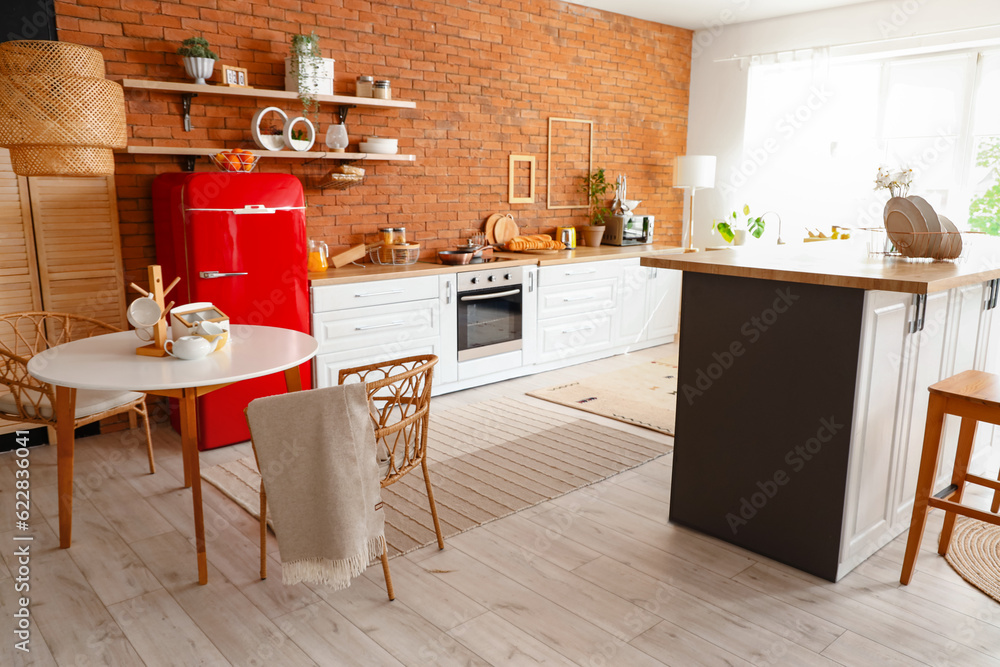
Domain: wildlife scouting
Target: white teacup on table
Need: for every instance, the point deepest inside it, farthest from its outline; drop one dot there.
(214, 333)
(143, 314)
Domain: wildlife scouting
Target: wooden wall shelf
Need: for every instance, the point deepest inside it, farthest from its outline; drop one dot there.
(189, 151)
(206, 89)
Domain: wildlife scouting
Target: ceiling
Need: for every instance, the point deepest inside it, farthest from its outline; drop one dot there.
(700, 14)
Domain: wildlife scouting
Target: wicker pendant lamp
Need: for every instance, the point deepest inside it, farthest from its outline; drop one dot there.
(59, 116)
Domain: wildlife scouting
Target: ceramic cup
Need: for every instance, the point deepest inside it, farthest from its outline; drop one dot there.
(144, 312)
(188, 347)
(214, 333)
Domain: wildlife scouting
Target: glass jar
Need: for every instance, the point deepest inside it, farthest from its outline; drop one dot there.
(399, 235)
(381, 90)
(388, 234)
(363, 87)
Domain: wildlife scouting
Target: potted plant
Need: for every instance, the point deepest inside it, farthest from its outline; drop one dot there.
(595, 186)
(308, 71)
(199, 59)
(733, 228)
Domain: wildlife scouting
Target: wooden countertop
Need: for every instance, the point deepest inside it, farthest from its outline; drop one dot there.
(845, 265)
(355, 274)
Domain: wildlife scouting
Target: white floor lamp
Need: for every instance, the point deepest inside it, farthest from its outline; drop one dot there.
(693, 171)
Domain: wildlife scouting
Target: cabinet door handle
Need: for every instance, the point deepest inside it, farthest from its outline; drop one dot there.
(919, 312)
(447, 294)
(581, 273)
(583, 297)
(219, 274)
(397, 323)
(991, 300)
(576, 328)
(531, 282)
(363, 295)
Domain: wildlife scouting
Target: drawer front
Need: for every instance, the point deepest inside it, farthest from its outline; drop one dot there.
(373, 293)
(583, 297)
(377, 325)
(328, 366)
(566, 337)
(564, 274)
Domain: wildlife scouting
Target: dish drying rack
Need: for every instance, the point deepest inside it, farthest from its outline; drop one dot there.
(880, 244)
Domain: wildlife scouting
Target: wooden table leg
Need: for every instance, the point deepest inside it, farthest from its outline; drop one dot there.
(189, 442)
(65, 420)
(293, 379)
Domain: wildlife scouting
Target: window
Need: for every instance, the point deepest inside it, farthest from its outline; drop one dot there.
(820, 127)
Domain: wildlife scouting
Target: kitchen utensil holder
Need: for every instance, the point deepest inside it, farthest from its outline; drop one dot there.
(403, 254)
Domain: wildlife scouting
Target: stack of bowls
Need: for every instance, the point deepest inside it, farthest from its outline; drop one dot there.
(379, 145)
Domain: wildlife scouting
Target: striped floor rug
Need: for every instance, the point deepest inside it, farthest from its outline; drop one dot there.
(487, 460)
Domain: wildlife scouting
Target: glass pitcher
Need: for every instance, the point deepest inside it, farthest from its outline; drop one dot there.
(318, 253)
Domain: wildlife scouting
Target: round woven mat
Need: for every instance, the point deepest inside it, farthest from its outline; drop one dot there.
(975, 554)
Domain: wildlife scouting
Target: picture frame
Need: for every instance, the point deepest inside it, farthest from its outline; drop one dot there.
(515, 164)
(570, 157)
(235, 77)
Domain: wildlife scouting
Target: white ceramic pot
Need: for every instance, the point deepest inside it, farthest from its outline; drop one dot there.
(199, 69)
(189, 347)
(300, 144)
(739, 236)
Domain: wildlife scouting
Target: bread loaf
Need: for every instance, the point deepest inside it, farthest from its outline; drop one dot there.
(534, 242)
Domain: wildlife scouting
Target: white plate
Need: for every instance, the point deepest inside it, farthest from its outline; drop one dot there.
(953, 238)
(366, 147)
(930, 216)
(900, 231)
(917, 247)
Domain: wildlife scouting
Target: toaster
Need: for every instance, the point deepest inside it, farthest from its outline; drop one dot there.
(628, 230)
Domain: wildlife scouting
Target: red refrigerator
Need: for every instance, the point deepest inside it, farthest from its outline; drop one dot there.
(238, 241)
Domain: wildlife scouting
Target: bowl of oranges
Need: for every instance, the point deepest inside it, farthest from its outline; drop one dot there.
(236, 160)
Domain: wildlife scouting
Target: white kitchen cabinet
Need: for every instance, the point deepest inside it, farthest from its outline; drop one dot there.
(649, 305)
(577, 304)
(895, 368)
(375, 321)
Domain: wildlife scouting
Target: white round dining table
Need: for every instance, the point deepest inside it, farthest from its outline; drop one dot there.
(110, 363)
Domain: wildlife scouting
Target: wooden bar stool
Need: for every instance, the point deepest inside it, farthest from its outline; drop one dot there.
(975, 397)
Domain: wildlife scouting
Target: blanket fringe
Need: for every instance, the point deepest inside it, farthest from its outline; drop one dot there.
(336, 574)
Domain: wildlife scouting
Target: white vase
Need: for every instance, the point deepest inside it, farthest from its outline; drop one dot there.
(199, 69)
(336, 137)
(739, 236)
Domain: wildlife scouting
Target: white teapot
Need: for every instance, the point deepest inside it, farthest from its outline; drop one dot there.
(188, 347)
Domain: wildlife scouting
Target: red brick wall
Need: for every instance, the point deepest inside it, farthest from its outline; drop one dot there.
(486, 77)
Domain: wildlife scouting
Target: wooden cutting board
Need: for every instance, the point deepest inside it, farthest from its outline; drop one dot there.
(491, 223)
(505, 230)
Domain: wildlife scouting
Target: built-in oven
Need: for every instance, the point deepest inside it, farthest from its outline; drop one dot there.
(489, 312)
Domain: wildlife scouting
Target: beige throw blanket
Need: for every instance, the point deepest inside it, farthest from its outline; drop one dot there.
(317, 458)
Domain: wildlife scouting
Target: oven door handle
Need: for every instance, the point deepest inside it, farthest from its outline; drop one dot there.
(484, 297)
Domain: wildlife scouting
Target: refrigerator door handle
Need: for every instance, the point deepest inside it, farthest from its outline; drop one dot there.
(220, 274)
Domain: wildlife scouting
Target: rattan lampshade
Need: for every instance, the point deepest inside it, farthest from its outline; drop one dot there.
(59, 116)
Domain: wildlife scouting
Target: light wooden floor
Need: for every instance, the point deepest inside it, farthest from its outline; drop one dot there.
(596, 577)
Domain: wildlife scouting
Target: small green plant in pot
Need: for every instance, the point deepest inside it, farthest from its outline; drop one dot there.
(199, 59)
(596, 187)
(732, 228)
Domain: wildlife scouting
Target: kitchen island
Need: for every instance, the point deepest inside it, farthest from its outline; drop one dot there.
(802, 391)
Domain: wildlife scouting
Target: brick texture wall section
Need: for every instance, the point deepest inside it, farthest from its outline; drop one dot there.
(486, 77)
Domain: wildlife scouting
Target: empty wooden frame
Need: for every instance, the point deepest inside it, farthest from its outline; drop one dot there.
(571, 145)
(516, 194)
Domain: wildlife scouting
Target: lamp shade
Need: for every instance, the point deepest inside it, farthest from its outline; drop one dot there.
(694, 171)
(59, 116)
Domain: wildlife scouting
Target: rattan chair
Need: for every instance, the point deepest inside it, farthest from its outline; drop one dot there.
(399, 400)
(23, 335)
